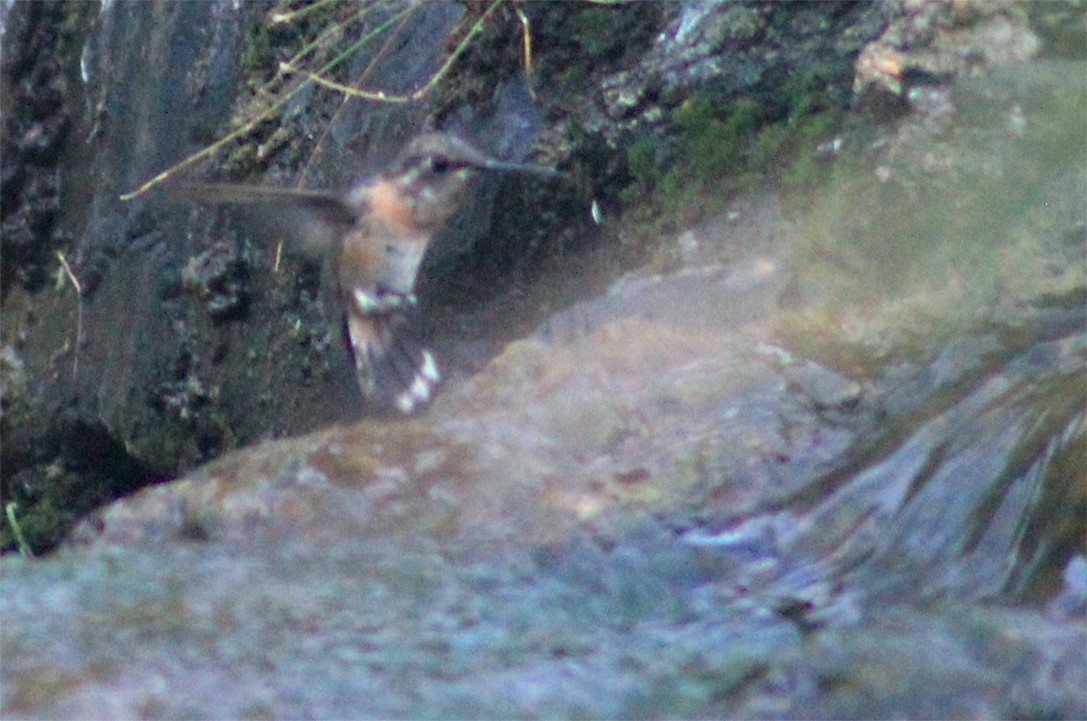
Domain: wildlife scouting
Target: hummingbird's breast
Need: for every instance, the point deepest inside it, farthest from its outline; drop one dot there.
(381, 253)
(391, 207)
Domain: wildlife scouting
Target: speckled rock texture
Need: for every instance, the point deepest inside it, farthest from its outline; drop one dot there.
(816, 451)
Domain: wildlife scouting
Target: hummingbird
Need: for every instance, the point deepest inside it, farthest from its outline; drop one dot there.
(375, 237)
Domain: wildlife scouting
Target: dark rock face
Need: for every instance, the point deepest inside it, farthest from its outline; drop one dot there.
(168, 336)
(783, 449)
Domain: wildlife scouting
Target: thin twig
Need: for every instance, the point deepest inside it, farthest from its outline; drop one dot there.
(78, 311)
(17, 531)
(528, 52)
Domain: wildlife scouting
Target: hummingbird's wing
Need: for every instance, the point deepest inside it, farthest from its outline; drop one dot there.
(311, 221)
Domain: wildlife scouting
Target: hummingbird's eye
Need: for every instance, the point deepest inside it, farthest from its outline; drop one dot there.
(440, 165)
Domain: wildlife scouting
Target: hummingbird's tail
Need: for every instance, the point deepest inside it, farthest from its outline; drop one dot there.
(393, 367)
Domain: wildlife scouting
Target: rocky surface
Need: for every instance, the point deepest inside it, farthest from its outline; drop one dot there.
(819, 454)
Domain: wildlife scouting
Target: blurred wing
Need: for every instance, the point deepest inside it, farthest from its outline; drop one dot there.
(312, 221)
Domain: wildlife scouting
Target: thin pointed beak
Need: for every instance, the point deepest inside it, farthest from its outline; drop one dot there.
(507, 167)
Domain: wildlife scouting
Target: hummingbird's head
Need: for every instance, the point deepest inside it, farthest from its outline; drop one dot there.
(426, 185)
